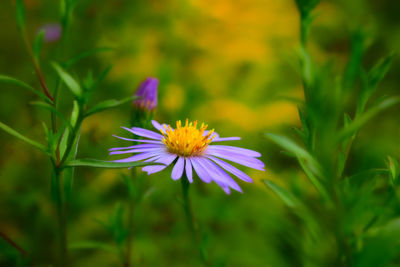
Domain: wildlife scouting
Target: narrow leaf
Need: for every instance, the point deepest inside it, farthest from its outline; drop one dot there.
(313, 179)
(107, 104)
(84, 55)
(104, 164)
(23, 138)
(52, 109)
(287, 197)
(14, 81)
(378, 72)
(71, 83)
(101, 77)
(74, 113)
(362, 119)
(290, 146)
(37, 44)
(63, 142)
(394, 170)
(20, 14)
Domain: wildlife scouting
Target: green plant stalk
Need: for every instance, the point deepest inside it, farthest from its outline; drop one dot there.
(131, 212)
(71, 139)
(61, 216)
(344, 253)
(36, 65)
(60, 198)
(190, 220)
(13, 244)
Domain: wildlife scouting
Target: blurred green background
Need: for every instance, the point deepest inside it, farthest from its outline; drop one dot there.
(231, 64)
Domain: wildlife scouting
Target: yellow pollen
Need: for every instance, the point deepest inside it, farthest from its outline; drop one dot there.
(186, 140)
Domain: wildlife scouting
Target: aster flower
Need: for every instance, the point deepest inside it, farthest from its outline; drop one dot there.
(191, 148)
(147, 93)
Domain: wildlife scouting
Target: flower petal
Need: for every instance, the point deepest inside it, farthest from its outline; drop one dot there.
(188, 167)
(200, 170)
(164, 158)
(144, 133)
(153, 158)
(138, 157)
(157, 125)
(177, 171)
(137, 150)
(235, 171)
(136, 146)
(153, 169)
(221, 139)
(219, 175)
(237, 158)
(234, 149)
(138, 140)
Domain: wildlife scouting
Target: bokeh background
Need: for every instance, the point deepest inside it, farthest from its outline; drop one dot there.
(231, 64)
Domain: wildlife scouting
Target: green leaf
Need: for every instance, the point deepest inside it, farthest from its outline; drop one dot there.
(130, 185)
(104, 164)
(69, 172)
(307, 68)
(14, 81)
(378, 72)
(356, 124)
(37, 44)
(71, 83)
(20, 14)
(101, 77)
(63, 142)
(287, 197)
(93, 245)
(107, 104)
(380, 245)
(291, 146)
(354, 65)
(52, 138)
(24, 138)
(394, 170)
(75, 113)
(84, 55)
(306, 6)
(52, 109)
(117, 225)
(314, 180)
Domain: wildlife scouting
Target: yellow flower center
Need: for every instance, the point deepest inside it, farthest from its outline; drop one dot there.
(186, 140)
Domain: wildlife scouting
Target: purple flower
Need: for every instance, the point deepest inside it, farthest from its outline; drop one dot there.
(190, 148)
(52, 32)
(147, 93)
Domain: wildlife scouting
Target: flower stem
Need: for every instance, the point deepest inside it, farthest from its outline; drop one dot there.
(190, 220)
(13, 244)
(61, 214)
(36, 65)
(131, 211)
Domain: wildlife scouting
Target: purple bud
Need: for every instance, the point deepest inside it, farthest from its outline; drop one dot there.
(147, 93)
(52, 32)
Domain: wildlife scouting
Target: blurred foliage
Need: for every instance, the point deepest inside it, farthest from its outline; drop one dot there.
(234, 65)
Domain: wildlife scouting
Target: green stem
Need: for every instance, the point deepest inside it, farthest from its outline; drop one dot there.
(36, 65)
(131, 211)
(13, 244)
(71, 139)
(61, 214)
(190, 219)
